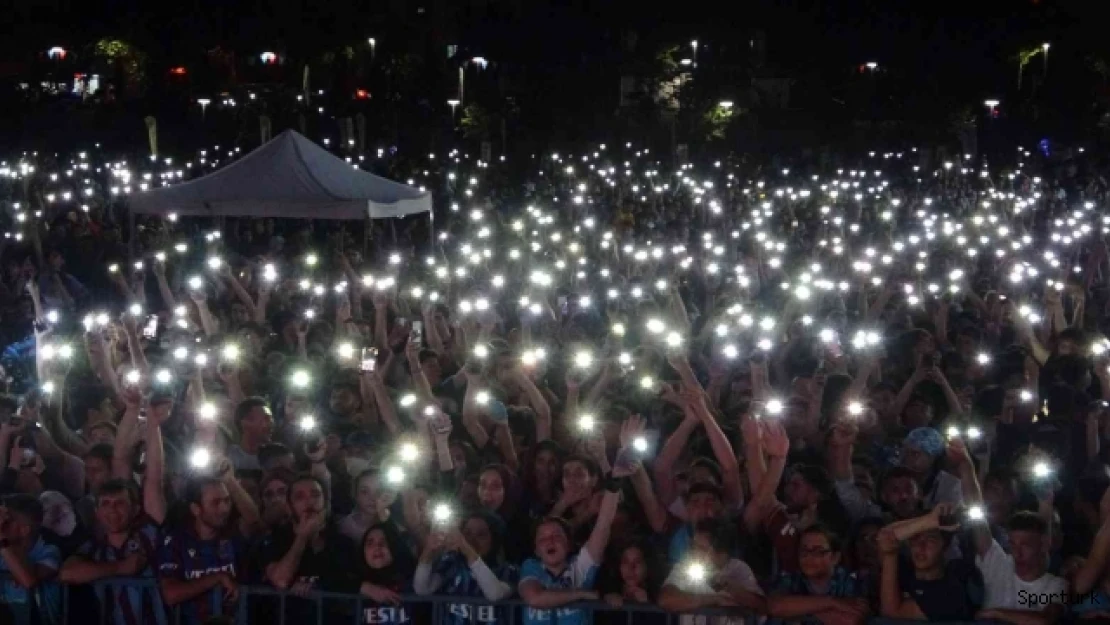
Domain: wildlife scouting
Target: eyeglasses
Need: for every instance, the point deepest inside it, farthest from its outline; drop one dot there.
(814, 553)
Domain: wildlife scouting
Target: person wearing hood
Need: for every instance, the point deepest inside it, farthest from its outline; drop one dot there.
(923, 453)
(386, 573)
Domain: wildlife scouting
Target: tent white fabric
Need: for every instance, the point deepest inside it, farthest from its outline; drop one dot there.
(289, 177)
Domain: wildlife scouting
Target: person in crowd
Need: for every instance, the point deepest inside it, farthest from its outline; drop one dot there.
(124, 545)
(468, 561)
(28, 564)
(712, 577)
(373, 501)
(256, 427)
(822, 589)
(555, 578)
(201, 560)
(933, 588)
(386, 567)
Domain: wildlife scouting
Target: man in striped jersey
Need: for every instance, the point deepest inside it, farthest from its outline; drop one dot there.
(125, 545)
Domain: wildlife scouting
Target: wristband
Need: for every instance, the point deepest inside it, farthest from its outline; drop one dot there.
(612, 485)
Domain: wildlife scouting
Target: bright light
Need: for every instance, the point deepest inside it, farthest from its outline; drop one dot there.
(442, 513)
(725, 104)
(409, 452)
(307, 423)
(207, 411)
(1041, 469)
(200, 458)
(774, 406)
(975, 513)
(990, 103)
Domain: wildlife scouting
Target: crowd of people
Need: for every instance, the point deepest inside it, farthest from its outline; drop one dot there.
(801, 395)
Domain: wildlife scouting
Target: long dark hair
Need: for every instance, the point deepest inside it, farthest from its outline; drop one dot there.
(611, 581)
(399, 573)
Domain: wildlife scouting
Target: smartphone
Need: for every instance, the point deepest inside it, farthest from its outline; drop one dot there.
(563, 309)
(369, 359)
(417, 333)
(150, 330)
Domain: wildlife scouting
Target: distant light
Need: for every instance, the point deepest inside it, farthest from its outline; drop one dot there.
(726, 104)
(268, 58)
(177, 71)
(872, 65)
(991, 103)
(1045, 46)
(59, 54)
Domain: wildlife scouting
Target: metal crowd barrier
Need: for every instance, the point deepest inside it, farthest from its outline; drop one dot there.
(270, 606)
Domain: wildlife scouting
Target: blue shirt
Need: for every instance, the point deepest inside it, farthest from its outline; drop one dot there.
(45, 599)
(130, 604)
(842, 585)
(459, 580)
(580, 573)
(680, 543)
(182, 555)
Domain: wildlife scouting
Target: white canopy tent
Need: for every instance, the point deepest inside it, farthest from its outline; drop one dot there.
(287, 177)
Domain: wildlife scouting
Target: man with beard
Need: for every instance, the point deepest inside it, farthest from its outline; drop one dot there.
(202, 561)
(311, 554)
(125, 545)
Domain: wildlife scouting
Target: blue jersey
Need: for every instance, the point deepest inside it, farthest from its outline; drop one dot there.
(459, 581)
(129, 604)
(45, 600)
(182, 555)
(580, 573)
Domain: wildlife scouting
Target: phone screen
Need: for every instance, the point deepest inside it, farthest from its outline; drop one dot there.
(150, 330)
(369, 359)
(417, 334)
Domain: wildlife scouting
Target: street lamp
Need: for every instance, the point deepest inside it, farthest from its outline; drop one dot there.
(453, 104)
(991, 105)
(373, 43)
(203, 102)
(480, 61)
(1045, 46)
(872, 66)
(694, 47)
(725, 104)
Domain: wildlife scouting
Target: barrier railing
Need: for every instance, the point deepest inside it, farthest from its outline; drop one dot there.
(264, 605)
(272, 606)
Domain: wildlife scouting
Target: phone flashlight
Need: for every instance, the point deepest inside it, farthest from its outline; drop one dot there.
(207, 411)
(855, 408)
(1041, 470)
(774, 407)
(300, 379)
(442, 513)
(346, 351)
(394, 475)
(481, 398)
(230, 352)
(976, 513)
(200, 458)
(695, 572)
(640, 444)
(586, 423)
(409, 452)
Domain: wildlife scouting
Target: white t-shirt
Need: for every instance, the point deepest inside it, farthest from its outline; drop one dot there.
(734, 571)
(1007, 591)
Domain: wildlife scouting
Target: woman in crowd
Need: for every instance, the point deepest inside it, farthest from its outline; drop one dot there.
(467, 561)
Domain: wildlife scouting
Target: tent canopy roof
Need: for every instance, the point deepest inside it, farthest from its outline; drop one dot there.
(290, 177)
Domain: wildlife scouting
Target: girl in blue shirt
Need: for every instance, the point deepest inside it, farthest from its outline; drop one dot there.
(467, 561)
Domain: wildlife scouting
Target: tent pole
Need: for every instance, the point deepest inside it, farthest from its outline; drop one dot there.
(366, 223)
(130, 235)
(431, 229)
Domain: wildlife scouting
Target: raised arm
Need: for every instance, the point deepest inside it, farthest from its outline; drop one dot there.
(776, 444)
(664, 466)
(599, 537)
(154, 495)
(722, 448)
